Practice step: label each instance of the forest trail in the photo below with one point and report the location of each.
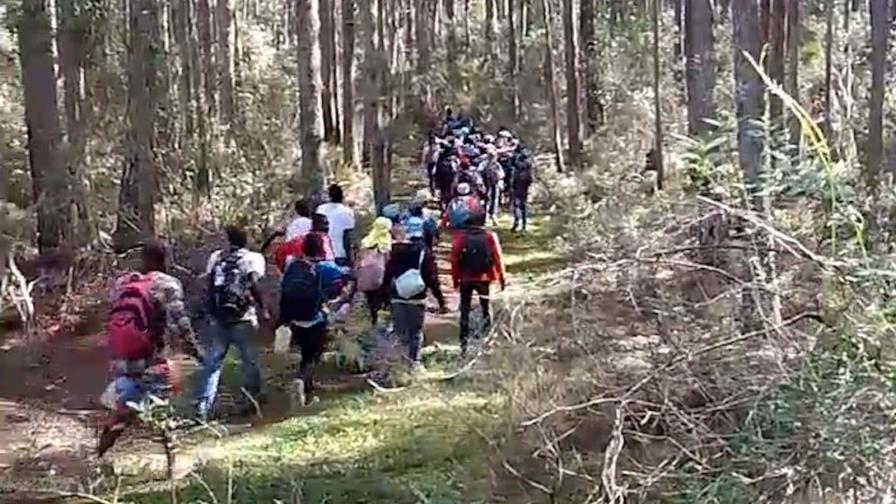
(49, 415)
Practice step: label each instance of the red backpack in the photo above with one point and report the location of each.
(128, 328)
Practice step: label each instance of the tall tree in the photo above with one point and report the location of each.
(136, 198)
(49, 178)
(793, 63)
(423, 37)
(701, 67)
(572, 83)
(204, 28)
(880, 32)
(828, 67)
(182, 28)
(749, 97)
(374, 141)
(776, 44)
(348, 82)
(312, 179)
(327, 61)
(513, 59)
(589, 48)
(490, 30)
(551, 85)
(657, 102)
(224, 58)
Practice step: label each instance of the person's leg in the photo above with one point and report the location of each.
(210, 372)
(524, 211)
(243, 335)
(483, 289)
(416, 317)
(374, 302)
(312, 341)
(514, 203)
(466, 297)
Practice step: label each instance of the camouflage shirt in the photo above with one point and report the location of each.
(172, 319)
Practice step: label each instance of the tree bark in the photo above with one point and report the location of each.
(551, 85)
(776, 56)
(490, 30)
(182, 26)
(136, 199)
(592, 84)
(204, 27)
(828, 68)
(793, 64)
(224, 58)
(572, 84)
(701, 74)
(348, 82)
(421, 26)
(513, 60)
(311, 181)
(880, 32)
(749, 97)
(373, 62)
(327, 60)
(657, 102)
(49, 178)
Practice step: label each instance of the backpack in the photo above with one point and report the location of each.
(301, 295)
(370, 270)
(129, 326)
(460, 209)
(522, 171)
(444, 174)
(231, 296)
(475, 257)
(411, 283)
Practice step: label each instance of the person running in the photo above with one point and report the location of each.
(235, 305)
(307, 286)
(521, 180)
(148, 315)
(476, 263)
(371, 266)
(410, 273)
(301, 224)
(341, 221)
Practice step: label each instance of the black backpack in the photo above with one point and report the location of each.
(301, 296)
(475, 256)
(231, 288)
(522, 167)
(444, 174)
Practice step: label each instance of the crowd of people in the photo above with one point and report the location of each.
(322, 270)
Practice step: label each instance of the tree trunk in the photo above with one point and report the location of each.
(373, 62)
(776, 57)
(136, 199)
(312, 179)
(793, 64)
(421, 25)
(572, 84)
(749, 97)
(880, 32)
(224, 59)
(490, 30)
(657, 108)
(451, 40)
(551, 85)
(181, 14)
(204, 27)
(765, 19)
(828, 68)
(348, 82)
(513, 60)
(592, 85)
(701, 66)
(49, 178)
(327, 60)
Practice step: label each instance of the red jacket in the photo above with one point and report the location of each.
(495, 274)
(295, 248)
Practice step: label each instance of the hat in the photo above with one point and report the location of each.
(421, 197)
(505, 134)
(463, 189)
(413, 227)
(392, 211)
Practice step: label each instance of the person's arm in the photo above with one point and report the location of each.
(267, 243)
(388, 277)
(454, 257)
(178, 331)
(257, 272)
(498, 260)
(347, 235)
(431, 276)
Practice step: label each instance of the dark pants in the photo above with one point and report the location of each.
(431, 175)
(466, 300)
(408, 323)
(311, 341)
(520, 212)
(493, 202)
(375, 303)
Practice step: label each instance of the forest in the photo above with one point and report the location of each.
(698, 312)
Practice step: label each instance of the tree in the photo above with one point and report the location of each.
(657, 108)
(572, 83)
(551, 86)
(311, 182)
(589, 48)
(348, 82)
(793, 63)
(490, 31)
(328, 59)
(374, 141)
(513, 59)
(136, 198)
(421, 24)
(828, 67)
(749, 96)
(776, 43)
(880, 31)
(700, 56)
(49, 178)
(224, 58)
(204, 27)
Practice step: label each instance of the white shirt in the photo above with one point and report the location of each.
(300, 226)
(250, 263)
(342, 219)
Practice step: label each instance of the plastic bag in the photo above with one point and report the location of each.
(282, 339)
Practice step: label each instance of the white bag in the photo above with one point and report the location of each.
(410, 283)
(282, 339)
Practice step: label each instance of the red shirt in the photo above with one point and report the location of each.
(295, 248)
(495, 274)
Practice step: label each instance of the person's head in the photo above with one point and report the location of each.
(476, 219)
(313, 247)
(416, 210)
(449, 113)
(463, 189)
(381, 225)
(152, 256)
(320, 222)
(398, 233)
(236, 236)
(302, 208)
(335, 192)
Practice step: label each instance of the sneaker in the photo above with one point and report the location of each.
(297, 394)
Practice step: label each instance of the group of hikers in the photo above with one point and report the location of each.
(496, 170)
(322, 269)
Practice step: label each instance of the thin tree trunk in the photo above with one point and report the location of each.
(136, 199)
(513, 60)
(49, 178)
(423, 37)
(793, 64)
(551, 85)
(572, 84)
(680, 25)
(591, 65)
(334, 71)
(657, 102)
(326, 35)
(701, 74)
(348, 82)
(224, 59)
(181, 12)
(312, 179)
(373, 61)
(451, 40)
(204, 27)
(880, 32)
(828, 68)
(490, 30)
(776, 56)
(749, 97)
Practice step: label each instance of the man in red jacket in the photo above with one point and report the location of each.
(476, 262)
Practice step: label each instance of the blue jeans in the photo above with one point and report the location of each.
(222, 337)
(407, 319)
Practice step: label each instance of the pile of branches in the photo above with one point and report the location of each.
(711, 357)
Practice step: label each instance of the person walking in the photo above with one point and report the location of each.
(341, 222)
(371, 267)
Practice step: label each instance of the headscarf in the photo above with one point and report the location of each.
(380, 236)
(414, 227)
